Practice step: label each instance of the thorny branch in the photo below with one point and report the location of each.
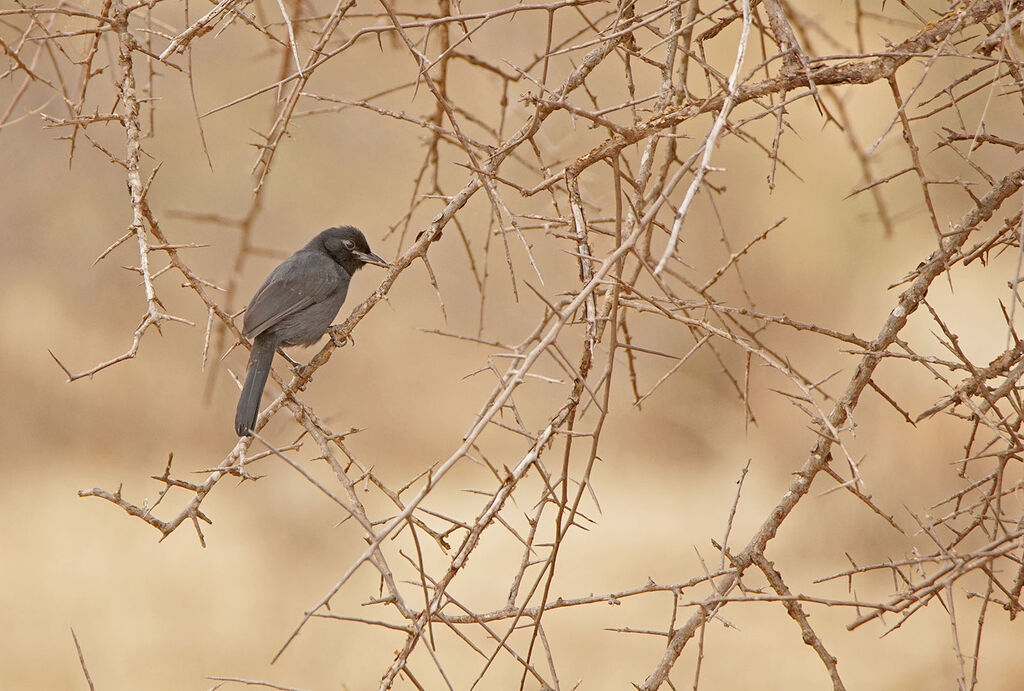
(606, 157)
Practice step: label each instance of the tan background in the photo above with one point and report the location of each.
(166, 615)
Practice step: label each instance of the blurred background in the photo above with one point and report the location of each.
(172, 614)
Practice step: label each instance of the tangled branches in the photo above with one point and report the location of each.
(585, 189)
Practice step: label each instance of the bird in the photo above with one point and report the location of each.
(295, 306)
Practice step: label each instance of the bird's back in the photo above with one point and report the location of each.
(299, 299)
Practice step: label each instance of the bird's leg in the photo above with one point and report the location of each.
(296, 366)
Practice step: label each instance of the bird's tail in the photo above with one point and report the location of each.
(260, 358)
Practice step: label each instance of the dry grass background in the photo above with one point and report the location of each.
(170, 614)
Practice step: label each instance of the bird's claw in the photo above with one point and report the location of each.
(342, 341)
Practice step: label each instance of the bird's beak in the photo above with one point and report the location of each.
(371, 258)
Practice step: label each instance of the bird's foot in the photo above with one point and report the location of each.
(342, 341)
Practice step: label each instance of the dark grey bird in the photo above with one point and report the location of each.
(296, 304)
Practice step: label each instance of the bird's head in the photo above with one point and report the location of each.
(347, 246)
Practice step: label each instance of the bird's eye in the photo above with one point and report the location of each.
(348, 244)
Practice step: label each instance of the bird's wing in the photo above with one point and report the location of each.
(294, 285)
